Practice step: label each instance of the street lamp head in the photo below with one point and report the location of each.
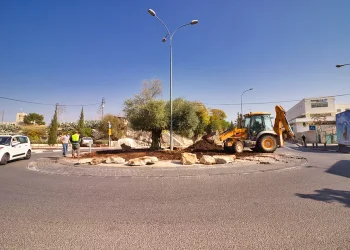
(193, 22)
(164, 40)
(339, 65)
(151, 12)
(251, 89)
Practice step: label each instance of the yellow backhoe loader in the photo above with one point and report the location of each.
(258, 133)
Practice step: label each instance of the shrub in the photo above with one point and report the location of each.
(36, 134)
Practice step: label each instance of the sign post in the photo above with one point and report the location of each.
(109, 133)
(90, 143)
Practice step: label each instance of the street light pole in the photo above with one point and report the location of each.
(341, 65)
(170, 35)
(242, 98)
(171, 93)
(242, 104)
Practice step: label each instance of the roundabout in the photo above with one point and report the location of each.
(168, 168)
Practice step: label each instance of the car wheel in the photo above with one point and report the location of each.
(28, 155)
(5, 158)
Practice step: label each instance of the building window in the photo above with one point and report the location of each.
(338, 110)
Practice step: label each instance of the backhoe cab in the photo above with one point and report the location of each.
(258, 133)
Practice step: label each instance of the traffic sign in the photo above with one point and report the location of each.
(312, 127)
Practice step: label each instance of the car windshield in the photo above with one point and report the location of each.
(87, 138)
(5, 140)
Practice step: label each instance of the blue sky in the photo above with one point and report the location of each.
(76, 52)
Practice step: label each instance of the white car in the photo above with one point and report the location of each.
(14, 147)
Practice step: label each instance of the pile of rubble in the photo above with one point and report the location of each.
(203, 145)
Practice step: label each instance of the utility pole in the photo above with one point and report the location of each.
(103, 106)
(60, 111)
(2, 116)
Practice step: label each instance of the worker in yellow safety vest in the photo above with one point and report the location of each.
(75, 139)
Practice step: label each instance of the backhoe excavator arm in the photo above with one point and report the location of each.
(280, 123)
(236, 132)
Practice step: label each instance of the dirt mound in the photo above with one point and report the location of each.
(135, 153)
(203, 145)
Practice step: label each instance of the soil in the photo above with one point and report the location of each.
(199, 148)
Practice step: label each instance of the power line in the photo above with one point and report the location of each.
(224, 104)
(251, 103)
(47, 104)
(259, 103)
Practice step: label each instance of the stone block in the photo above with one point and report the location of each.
(223, 159)
(96, 161)
(188, 158)
(207, 160)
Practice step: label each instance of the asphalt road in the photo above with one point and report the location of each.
(304, 208)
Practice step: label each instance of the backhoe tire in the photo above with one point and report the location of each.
(267, 144)
(256, 149)
(227, 149)
(238, 147)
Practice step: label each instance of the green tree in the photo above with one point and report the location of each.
(93, 124)
(185, 119)
(146, 113)
(217, 121)
(239, 123)
(203, 119)
(68, 127)
(34, 118)
(81, 121)
(118, 126)
(35, 133)
(9, 128)
(232, 125)
(150, 116)
(52, 140)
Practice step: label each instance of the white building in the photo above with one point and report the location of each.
(20, 117)
(304, 113)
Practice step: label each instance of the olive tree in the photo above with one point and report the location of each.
(145, 112)
(185, 119)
